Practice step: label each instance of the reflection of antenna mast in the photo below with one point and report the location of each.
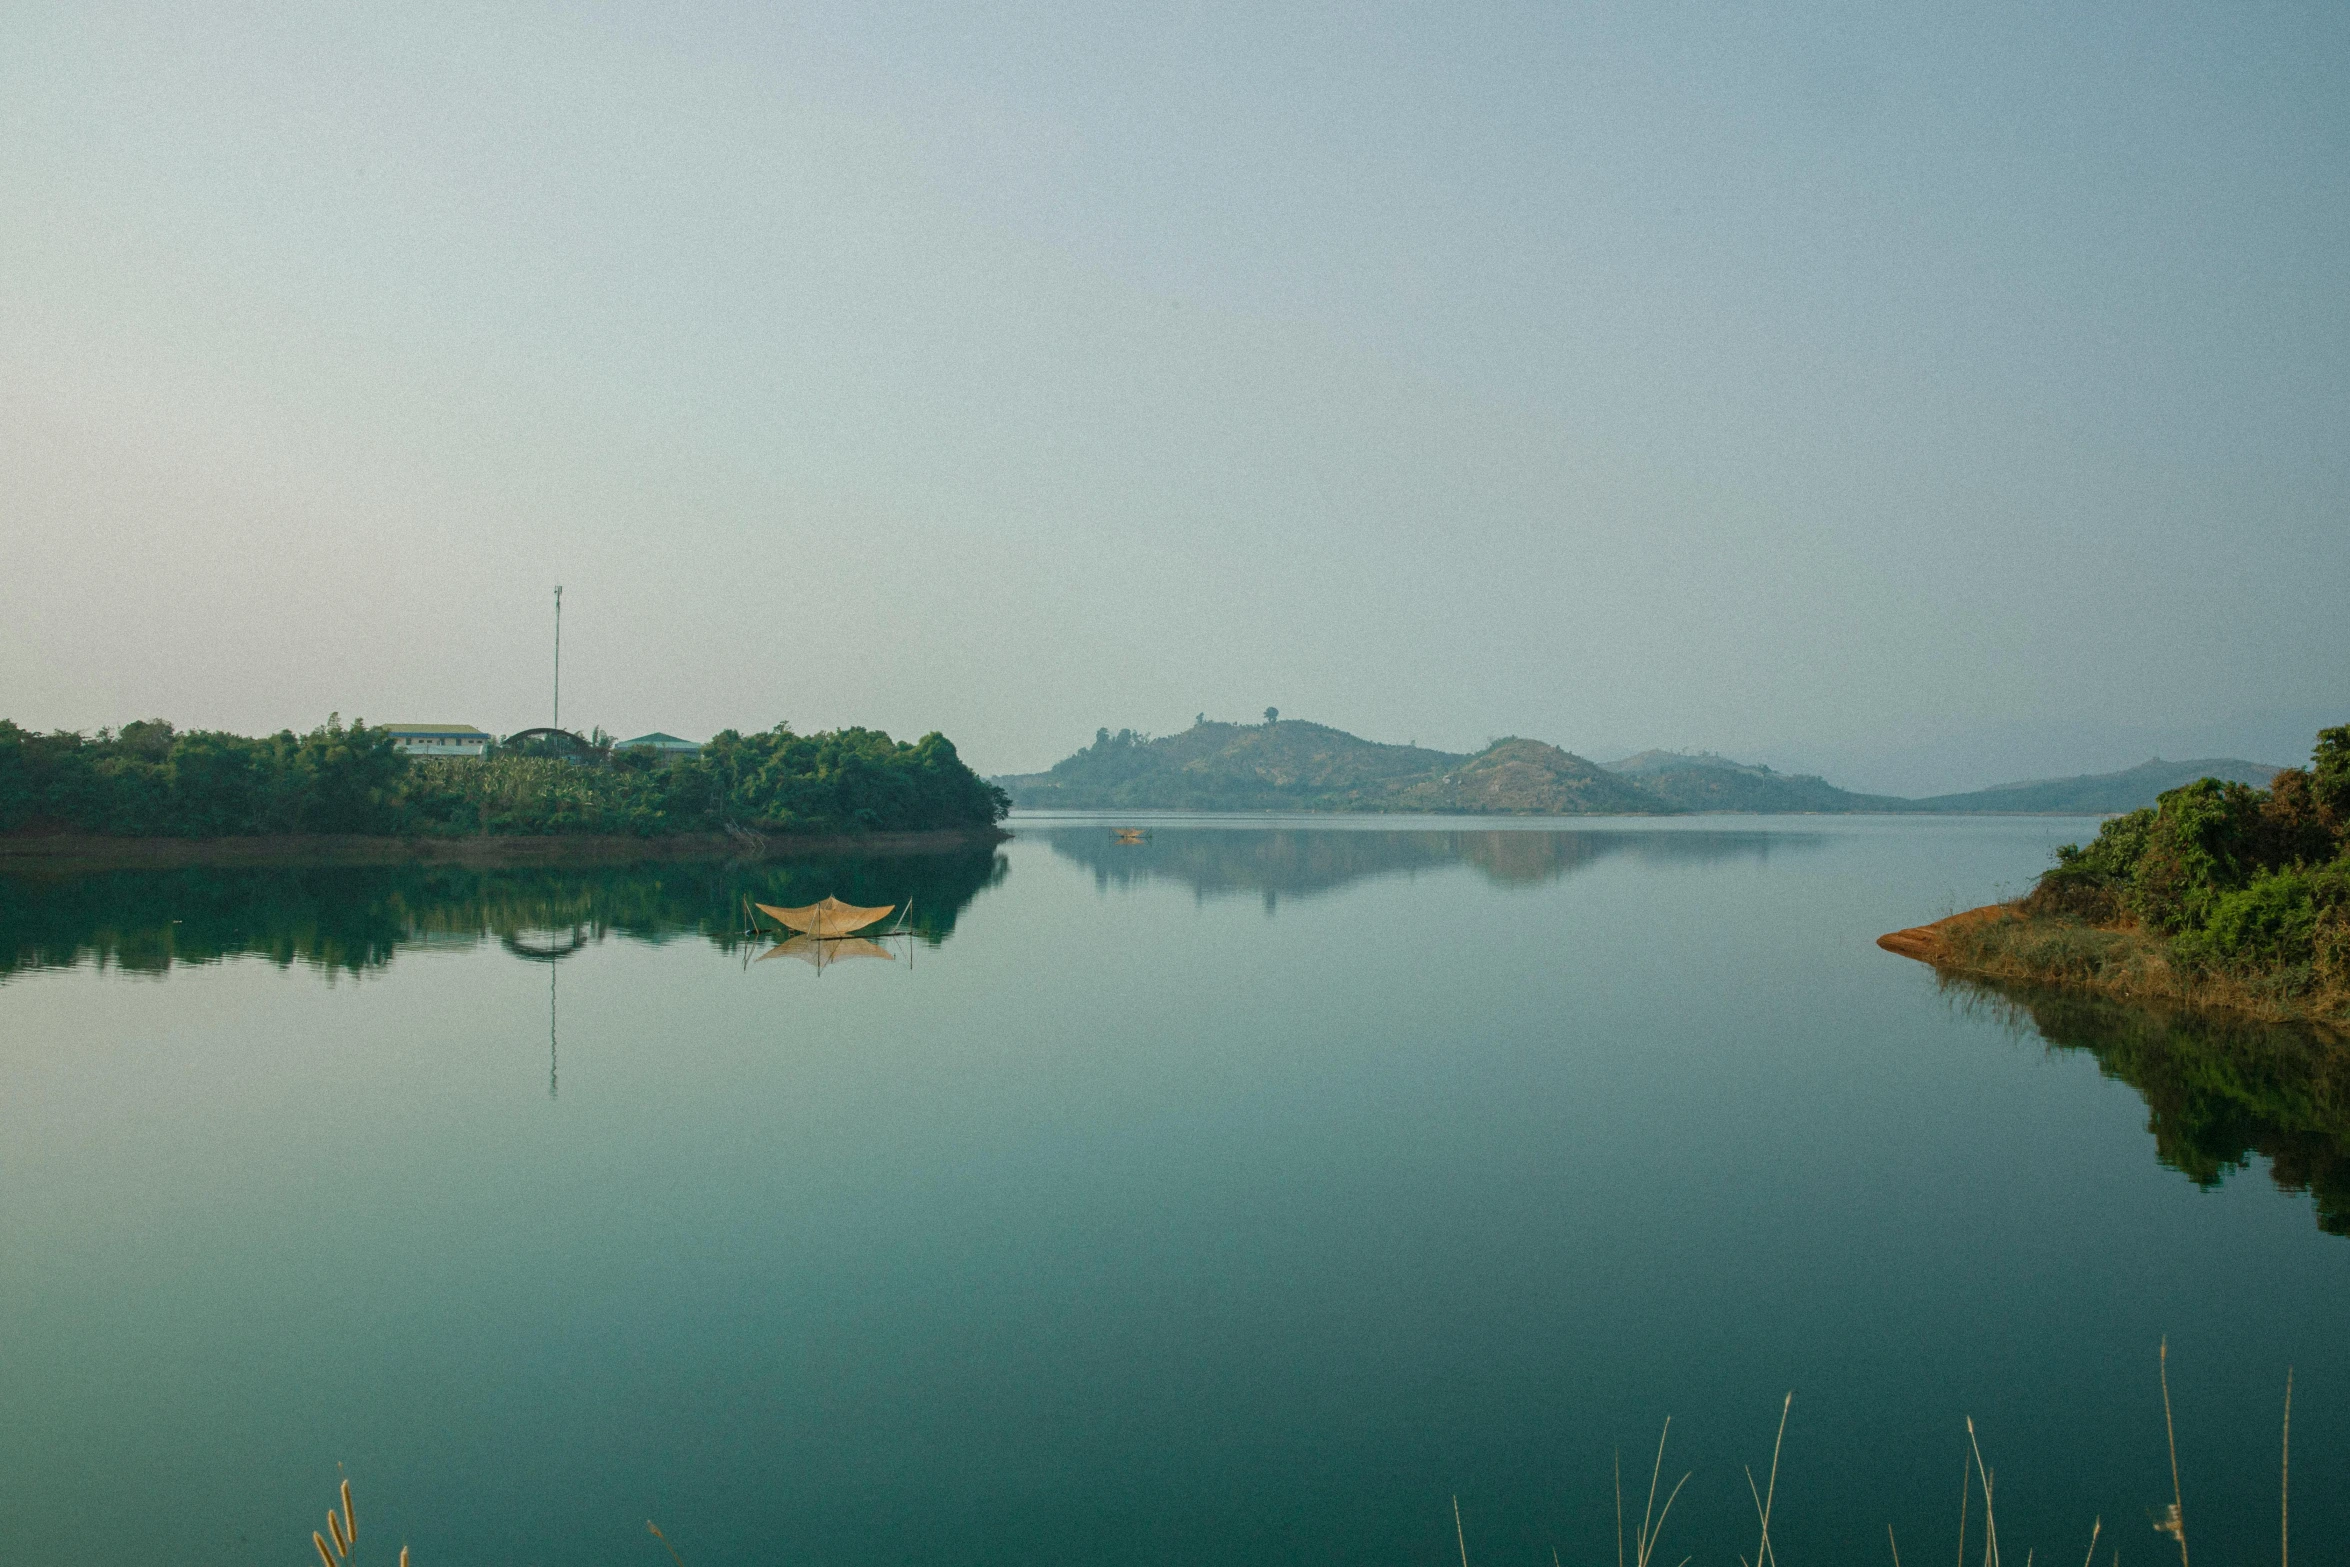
(552, 972)
(558, 722)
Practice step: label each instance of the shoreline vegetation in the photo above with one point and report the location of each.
(2219, 897)
(152, 794)
(71, 851)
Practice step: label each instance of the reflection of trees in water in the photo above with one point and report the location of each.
(351, 919)
(2217, 1091)
(1301, 861)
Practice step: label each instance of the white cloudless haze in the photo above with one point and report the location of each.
(1934, 394)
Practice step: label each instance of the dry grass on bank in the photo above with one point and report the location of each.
(1978, 1481)
(2009, 941)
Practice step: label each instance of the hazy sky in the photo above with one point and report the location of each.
(1928, 395)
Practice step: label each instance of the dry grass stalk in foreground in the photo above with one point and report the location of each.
(1974, 1474)
(2285, 1482)
(1644, 1543)
(342, 1531)
(1764, 1556)
(2175, 1524)
(342, 1525)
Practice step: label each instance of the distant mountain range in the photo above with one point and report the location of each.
(2098, 793)
(1705, 782)
(1291, 765)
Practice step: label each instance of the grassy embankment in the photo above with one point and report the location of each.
(2220, 897)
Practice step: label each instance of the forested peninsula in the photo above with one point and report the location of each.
(2218, 896)
(150, 781)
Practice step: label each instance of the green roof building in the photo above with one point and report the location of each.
(667, 745)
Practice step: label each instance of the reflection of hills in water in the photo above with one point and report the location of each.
(350, 919)
(1277, 862)
(2217, 1091)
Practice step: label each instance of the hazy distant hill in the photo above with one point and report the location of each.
(1294, 766)
(1528, 778)
(1286, 766)
(1702, 781)
(2094, 794)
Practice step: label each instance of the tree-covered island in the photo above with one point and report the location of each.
(150, 780)
(2219, 895)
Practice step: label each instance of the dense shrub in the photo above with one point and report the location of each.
(2329, 777)
(2204, 841)
(2271, 923)
(153, 781)
(2254, 883)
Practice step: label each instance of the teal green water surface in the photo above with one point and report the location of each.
(1244, 1195)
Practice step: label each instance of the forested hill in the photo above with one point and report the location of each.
(1288, 765)
(1294, 766)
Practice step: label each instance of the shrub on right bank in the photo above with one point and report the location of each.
(2251, 883)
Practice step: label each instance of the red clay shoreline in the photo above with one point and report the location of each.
(1931, 943)
(2131, 969)
(77, 851)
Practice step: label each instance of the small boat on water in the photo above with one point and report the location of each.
(827, 919)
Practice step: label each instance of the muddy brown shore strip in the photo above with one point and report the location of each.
(77, 851)
(1932, 943)
(2001, 944)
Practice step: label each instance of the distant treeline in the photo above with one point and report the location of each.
(2219, 893)
(151, 780)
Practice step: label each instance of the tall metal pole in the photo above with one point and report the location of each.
(558, 656)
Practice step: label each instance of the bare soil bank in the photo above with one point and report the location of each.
(1932, 943)
(2000, 941)
(73, 851)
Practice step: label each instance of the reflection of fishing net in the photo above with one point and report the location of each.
(823, 951)
(829, 918)
(544, 946)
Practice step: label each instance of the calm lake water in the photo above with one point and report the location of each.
(1242, 1196)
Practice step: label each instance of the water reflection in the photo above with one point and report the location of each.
(1282, 862)
(821, 952)
(2217, 1091)
(349, 920)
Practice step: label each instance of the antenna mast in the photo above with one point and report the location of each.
(558, 656)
